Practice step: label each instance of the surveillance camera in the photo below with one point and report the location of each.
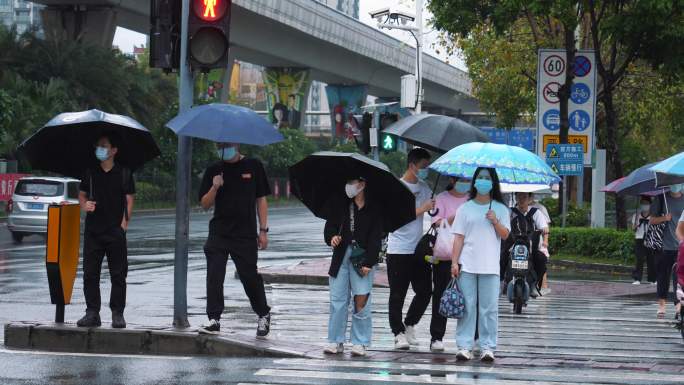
(403, 16)
(380, 13)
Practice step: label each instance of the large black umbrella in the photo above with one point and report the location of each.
(318, 181)
(65, 145)
(438, 133)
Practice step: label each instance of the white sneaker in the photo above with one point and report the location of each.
(411, 336)
(334, 349)
(358, 351)
(545, 291)
(636, 283)
(487, 356)
(464, 355)
(437, 346)
(400, 342)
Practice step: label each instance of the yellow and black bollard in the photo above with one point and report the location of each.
(62, 252)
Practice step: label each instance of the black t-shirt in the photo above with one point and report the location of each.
(109, 193)
(235, 206)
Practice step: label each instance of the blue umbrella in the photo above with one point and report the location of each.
(638, 182)
(670, 171)
(225, 123)
(513, 164)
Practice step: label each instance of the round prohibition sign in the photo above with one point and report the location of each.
(554, 65)
(550, 92)
(581, 66)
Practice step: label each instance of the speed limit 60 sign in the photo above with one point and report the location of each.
(582, 103)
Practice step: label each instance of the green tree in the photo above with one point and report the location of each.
(621, 32)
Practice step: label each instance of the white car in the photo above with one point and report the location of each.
(29, 204)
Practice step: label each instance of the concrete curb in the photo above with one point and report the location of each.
(66, 338)
(592, 267)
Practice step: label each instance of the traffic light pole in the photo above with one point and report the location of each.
(419, 55)
(183, 162)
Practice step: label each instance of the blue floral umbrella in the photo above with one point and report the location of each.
(514, 165)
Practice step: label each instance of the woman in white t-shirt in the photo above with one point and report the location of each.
(639, 225)
(479, 227)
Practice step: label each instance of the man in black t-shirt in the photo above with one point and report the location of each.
(237, 188)
(107, 197)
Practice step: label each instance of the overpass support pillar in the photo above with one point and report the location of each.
(87, 24)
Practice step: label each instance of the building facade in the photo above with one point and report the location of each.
(23, 14)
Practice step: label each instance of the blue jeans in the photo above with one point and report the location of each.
(342, 288)
(486, 288)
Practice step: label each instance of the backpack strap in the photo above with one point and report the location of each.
(530, 216)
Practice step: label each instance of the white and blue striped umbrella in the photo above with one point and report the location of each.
(514, 165)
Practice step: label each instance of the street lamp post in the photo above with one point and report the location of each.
(416, 31)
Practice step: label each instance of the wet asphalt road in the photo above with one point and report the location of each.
(557, 340)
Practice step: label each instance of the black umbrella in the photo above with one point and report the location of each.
(318, 181)
(438, 133)
(65, 145)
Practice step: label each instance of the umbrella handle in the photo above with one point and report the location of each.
(435, 211)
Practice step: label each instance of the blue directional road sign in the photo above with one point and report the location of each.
(565, 159)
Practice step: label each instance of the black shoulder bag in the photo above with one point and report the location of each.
(358, 254)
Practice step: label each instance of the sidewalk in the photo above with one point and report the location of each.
(315, 272)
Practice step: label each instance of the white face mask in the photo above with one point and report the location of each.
(352, 189)
(645, 208)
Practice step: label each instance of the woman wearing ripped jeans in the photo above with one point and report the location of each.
(359, 226)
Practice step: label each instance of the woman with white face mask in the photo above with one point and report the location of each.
(667, 209)
(355, 238)
(479, 226)
(639, 225)
(447, 204)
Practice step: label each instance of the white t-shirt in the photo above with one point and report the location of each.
(681, 218)
(406, 238)
(482, 245)
(540, 223)
(640, 227)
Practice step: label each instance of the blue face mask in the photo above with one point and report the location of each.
(677, 188)
(227, 153)
(422, 173)
(101, 153)
(462, 187)
(483, 186)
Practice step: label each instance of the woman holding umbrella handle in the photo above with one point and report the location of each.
(480, 225)
(356, 239)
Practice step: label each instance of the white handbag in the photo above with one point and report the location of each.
(444, 244)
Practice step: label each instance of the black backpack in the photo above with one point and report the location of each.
(522, 226)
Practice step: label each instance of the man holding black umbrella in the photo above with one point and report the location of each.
(107, 197)
(237, 187)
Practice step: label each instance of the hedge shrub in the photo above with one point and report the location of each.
(592, 242)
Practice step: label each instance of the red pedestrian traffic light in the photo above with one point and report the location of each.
(209, 34)
(210, 10)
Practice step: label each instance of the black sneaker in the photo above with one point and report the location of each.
(118, 321)
(264, 326)
(89, 320)
(213, 327)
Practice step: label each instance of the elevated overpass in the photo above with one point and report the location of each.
(305, 33)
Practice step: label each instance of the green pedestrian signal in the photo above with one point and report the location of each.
(388, 143)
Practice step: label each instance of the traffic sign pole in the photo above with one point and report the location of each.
(180, 263)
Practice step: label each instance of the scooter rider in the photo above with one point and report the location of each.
(527, 221)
